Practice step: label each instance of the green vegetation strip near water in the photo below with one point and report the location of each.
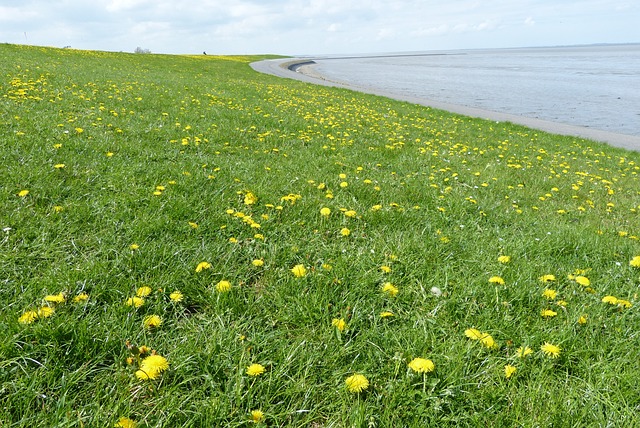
(186, 242)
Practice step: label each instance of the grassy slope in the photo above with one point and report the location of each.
(454, 194)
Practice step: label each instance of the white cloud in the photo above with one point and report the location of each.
(331, 26)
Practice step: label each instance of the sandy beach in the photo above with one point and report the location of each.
(302, 69)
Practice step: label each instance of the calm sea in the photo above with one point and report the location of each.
(592, 86)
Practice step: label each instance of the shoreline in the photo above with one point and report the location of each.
(302, 69)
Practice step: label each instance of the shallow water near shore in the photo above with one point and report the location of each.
(590, 86)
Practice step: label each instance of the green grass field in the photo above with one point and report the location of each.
(187, 243)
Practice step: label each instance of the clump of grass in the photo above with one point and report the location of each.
(270, 244)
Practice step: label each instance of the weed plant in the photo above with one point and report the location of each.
(187, 243)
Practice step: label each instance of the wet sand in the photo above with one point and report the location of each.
(303, 70)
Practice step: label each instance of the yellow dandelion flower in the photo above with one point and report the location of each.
(223, 286)
(473, 334)
(386, 314)
(299, 271)
(255, 370)
(151, 367)
(82, 297)
(504, 259)
(488, 342)
(152, 321)
(549, 294)
(125, 423)
(135, 302)
(390, 289)
(55, 298)
(582, 319)
(143, 291)
(635, 262)
(23, 193)
(421, 365)
(356, 383)
(345, 232)
(509, 371)
(258, 263)
(257, 416)
(339, 323)
(59, 166)
(176, 296)
(385, 269)
(548, 313)
(624, 303)
(496, 280)
(547, 278)
(610, 299)
(45, 312)
(582, 280)
(343, 184)
(250, 198)
(325, 212)
(550, 350)
(523, 351)
(193, 224)
(202, 266)
(350, 213)
(134, 247)
(28, 317)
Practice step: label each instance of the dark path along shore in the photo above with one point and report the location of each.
(302, 69)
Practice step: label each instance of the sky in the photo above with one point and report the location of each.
(315, 27)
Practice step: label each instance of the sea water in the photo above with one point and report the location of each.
(596, 86)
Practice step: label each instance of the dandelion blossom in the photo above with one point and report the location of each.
(28, 317)
(45, 312)
(299, 271)
(152, 321)
(135, 302)
(547, 278)
(345, 232)
(496, 280)
(385, 269)
(255, 370)
(151, 367)
(257, 416)
(176, 296)
(134, 247)
(23, 193)
(82, 297)
(143, 291)
(125, 423)
(550, 350)
(258, 263)
(523, 351)
(55, 298)
(339, 323)
(635, 262)
(473, 334)
(357, 383)
(582, 320)
(223, 286)
(504, 259)
(59, 166)
(386, 314)
(610, 299)
(390, 289)
(202, 266)
(582, 280)
(325, 212)
(250, 198)
(488, 342)
(548, 313)
(421, 365)
(350, 213)
(549, 294)
(509, 370)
